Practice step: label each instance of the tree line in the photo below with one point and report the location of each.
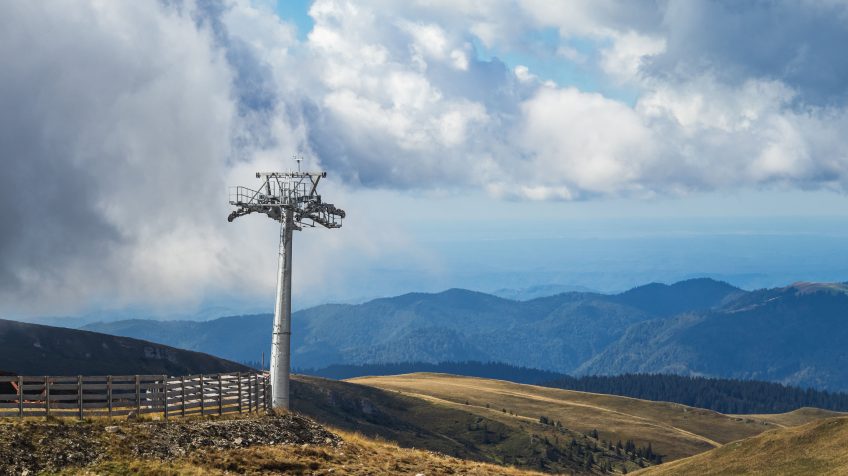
(721, 395)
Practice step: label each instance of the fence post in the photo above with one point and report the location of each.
(202, 398)
(182, 386)
(79, 394)
(254, 401)
(165, 395)
(239, 391)
(265, 394)
(249, 394)
(137, 396)
(20, 396)
(220, 396)
(109, 395)
(47, 395)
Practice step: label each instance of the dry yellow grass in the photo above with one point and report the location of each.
(674, 430)
(798, 417)
(357, 456)
(459, 430)
(820, 447)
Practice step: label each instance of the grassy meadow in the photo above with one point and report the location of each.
(675, 431)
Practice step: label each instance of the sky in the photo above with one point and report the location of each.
(484, 145)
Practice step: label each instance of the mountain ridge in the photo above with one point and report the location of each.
(648, 329)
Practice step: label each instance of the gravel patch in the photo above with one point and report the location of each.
(31, 447)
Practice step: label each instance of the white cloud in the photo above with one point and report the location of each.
(628, 53)
(136, 116)
(588, 143)
(524, 75)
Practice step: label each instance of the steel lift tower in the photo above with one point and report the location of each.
(292, 199)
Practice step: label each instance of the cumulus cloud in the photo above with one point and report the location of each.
(713, 107)
(124, 121)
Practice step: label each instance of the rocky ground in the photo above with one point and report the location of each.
(33, 447)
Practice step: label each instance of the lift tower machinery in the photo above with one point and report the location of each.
(292, 199)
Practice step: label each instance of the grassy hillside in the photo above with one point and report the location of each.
(812, 449)
(32, 349)
(722, 395)
(464, 431)
(798, 417)
(673, 430)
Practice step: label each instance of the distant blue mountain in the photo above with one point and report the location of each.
(793, 335)
(557, 333)
(690, 295)
(538, 291)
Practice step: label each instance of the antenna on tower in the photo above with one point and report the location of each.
(299, 159)
(292, 199)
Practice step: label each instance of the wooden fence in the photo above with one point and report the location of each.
(118, 395)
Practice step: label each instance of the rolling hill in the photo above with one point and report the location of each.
(34, 349)
(501, 422)
(722, 395)
(673, 430)
(817, 447)
(461, 431)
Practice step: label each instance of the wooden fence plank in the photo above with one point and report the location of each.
(14, 405)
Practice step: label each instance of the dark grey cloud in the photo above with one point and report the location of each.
(49, 196)
(111, 115)
(800, 43)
